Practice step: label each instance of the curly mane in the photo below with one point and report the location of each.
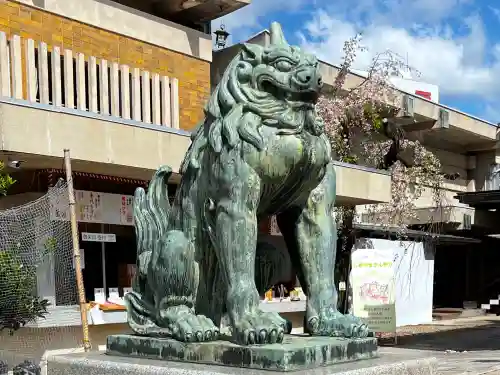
(239, 106)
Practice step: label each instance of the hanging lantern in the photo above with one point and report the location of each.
(221, 36)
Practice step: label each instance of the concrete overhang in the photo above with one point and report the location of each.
(456, 216)
(455, 127)
(357, 185)
(38, 134)
(460, 217)
(196, 11)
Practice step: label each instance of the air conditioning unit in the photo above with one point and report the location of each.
(444, 118)
(408, 106)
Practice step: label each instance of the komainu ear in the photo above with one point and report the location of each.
(277, 36)
(252, 53)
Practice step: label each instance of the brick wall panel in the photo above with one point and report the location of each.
(193, 74)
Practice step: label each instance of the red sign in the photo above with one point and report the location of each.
(427, 95)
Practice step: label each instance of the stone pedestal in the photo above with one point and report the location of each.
(102, 364)
(297, 352)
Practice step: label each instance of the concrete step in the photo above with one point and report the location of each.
(471, 313)
(455, 313)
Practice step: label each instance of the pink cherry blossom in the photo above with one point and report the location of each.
(353, 122)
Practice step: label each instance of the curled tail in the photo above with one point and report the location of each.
(151, 211)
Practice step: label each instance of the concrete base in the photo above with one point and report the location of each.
(102, 364)
(297, 352)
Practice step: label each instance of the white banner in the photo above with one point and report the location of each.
(373, 292)
(414, 279)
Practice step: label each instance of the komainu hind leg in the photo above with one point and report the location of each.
(161, 303)
(173, 275)
(311, 237)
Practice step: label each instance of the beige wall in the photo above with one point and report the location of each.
(189, 76)
(111, 16)
(357, 186)
(29, 130)
(484, 160)
(473, 170)
(451, 163)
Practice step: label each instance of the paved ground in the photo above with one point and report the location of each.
(463, 346)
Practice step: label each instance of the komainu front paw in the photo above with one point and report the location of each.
(330, 322)
(184, 325)
(194, 328)
(259, 328)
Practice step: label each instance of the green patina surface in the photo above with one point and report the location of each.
(295, 353)
(260, 151)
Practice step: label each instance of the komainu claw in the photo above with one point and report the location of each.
(330, 322)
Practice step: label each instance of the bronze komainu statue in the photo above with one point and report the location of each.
(260, 151)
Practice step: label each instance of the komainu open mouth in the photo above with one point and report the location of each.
(305, 96)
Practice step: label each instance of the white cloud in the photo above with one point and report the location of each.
(454, 62)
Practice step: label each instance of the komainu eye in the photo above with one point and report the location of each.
(283, 65)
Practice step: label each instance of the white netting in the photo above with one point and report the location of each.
(36, 268)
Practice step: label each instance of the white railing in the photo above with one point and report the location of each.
(73, 80)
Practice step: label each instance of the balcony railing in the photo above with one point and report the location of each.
(73, 80)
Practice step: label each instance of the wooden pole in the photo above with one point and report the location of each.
(76, 252)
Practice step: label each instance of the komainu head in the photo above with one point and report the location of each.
(276, 86)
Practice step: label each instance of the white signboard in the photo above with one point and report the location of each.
(95, 207)
(126, 210)
(88, 206)
(98, 237)
(373, 291)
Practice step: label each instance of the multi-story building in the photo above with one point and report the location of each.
(467, 148)
(118, 83)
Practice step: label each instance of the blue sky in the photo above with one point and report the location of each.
(452, 43)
